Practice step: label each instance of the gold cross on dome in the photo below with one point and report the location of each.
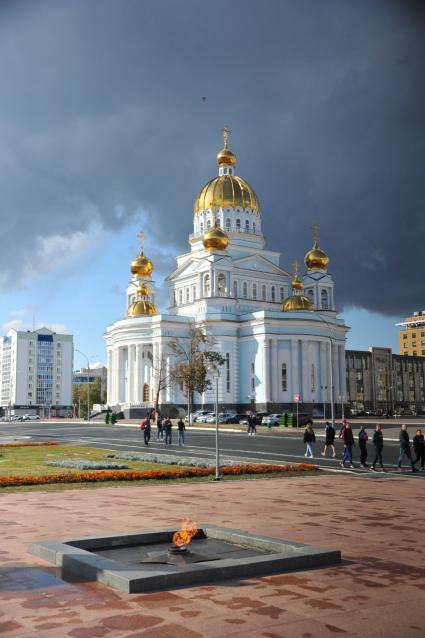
(296, 265)
(141, 237)
(226, 132)
(315, 229)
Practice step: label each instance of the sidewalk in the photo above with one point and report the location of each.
(378, 590)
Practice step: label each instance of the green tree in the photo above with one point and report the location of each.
(80, 396)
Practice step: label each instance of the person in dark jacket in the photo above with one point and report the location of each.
(251, 425)
(419, 447)
(329, 439)
(342, 428)
(405, 448)
(348, 439)
(378, 442)
(159, 429)
(309, 439)
(167, 429)
(146, 428)
(363, 439)
(181, 428)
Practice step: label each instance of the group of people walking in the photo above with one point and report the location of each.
(347, 436)
(164, 430)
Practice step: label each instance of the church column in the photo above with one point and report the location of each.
(306, 388)
(295, 381)
(137, 374)
(213, 283)
(266, 375)
(130, 374)
(110, 377)
(324, 373)
(274, 372)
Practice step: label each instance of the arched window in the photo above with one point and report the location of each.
(180, 297)
(253, 227)
(145, 392)
(310, 295)
(235, 289)
(282, 293)
(238, 224)
(227, 224)
(254, 291)
(193, 293)
(263, 293)
(325, 300)
(284, 378)
(207, 285)
(201, 227)
(245, 290)
(208, 224)
(273, 293)
(187, 295)
(221, 282)
(247, 225)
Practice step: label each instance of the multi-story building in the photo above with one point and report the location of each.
(36, 372)
(89, 375)
(381, 381)
(412, 335)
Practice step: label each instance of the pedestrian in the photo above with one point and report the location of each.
(309, 439)
(363, 439)
(405, 448)
(159, 429)
(329, 439)
(146, 428)
(348, 439)
(378, 442)
(419, 447)
(251, 425)
(181, 427)
(342, 428)
(167, 427)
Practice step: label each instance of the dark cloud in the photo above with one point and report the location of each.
(102, 115)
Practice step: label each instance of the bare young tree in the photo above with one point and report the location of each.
(162, 378)
(194, 357)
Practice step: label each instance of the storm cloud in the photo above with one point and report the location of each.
(102, 116)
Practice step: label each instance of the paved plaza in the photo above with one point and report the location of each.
(377, 591)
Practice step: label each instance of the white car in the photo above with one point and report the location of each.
(271, 419)
(204, 418)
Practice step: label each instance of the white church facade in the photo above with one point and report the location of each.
(279, 333)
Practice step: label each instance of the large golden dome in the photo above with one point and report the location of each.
(297, 302)
(142, 266)
(215, 239)
(226, 190)
(316, 258)
(142, 308)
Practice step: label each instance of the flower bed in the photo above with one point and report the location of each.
(157, 475)
(35, 444)
(83, 464)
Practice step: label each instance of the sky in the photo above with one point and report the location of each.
(110, 120)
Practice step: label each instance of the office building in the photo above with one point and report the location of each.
(412, 335)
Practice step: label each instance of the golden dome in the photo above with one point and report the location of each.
(316, 258)
(225, 156)
(296, 283)
(226, 190)
(142, 290)
(297, 302)
(215, 239)
(141, 266)
(142, 308)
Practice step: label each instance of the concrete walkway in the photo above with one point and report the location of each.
(378, 590)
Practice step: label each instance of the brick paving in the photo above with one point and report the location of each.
(378, 590)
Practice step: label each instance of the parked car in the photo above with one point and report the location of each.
(29, 417)
(203, 418)
(258, 418)
(271, 419)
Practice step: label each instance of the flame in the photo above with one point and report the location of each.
(185, 534)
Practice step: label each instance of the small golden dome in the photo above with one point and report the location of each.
(316, 258)
(225, 156)
(142, 308)
(141, 266)
(226, 190)
(296, 283)
(297, 302)
(215, 239)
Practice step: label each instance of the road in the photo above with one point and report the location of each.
(266, 446)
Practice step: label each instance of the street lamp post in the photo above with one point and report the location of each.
(217, 447)
(88, 382)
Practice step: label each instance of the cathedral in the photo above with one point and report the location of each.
(278, 332)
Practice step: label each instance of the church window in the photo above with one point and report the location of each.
(193, 293)
(252, 368)
(180, 297)
(253, 384)
(228, 372)
(187, 295)
(201, 227)
(263, 293)
(273, 293)
(227, 224)
(208, 224)
(146, 392)
(221, 284)
(254, 291)
(310, 295)
(325, 301)
(174, 298)
(235, 289)
(207, 285)
(253, 227)
(282, 293)
(238, 224)
(313, 378)
(247, 225)
(245, 290)
(284, 378)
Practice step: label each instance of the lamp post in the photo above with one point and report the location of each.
(217, 447)
(323, 388)
(88, 383)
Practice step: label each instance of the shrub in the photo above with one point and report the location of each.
(82, 464)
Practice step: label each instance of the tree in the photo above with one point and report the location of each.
(79, 396)
(162, 378)
(195, 359)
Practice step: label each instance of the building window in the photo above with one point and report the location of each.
(253, 384)
(145, 392)
(284, 378)
(405, 336)
(180, 297)
(207, 285)
(227, 224)
(313, 378)
(221, 282)
(282, 294)
(238, 224)
(325, 301)
(414, 353)
(201, 227)
(235, 289)
(310, 295)
(208, 224)
(187, 295)
(263, 293)
(273, 293)
(406, 345)
(252, 368)
(193, 293)
(254, 291)
(247, 225)
(228, 372)
(414, 344)
(245, 290)
(253, 227)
